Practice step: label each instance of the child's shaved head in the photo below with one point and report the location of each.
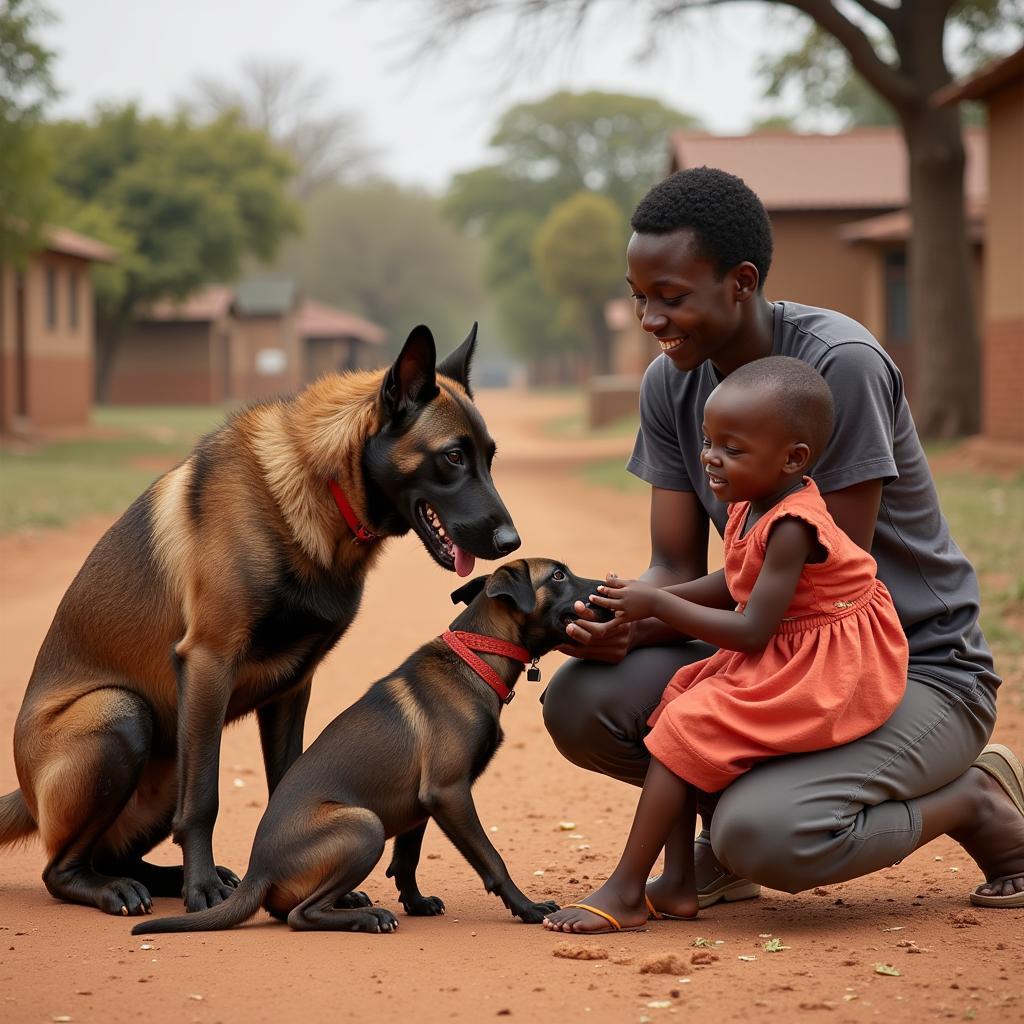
(802, 400)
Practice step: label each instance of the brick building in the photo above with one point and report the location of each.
(47, 336)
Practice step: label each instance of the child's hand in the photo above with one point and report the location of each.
(629, 599)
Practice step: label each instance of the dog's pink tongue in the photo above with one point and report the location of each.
(464, 561)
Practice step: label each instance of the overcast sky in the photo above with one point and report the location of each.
(425, 120)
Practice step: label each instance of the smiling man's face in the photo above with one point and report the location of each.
(680, 298)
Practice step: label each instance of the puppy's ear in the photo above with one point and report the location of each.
(456, 365)
(410, 379)
(469, 591)
(513, 583)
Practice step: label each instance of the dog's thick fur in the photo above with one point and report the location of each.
(217, 593)
(409, 750)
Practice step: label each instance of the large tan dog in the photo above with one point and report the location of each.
(217, 593)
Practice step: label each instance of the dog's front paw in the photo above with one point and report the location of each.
(534, 913)
(206, 892)
(424, 906)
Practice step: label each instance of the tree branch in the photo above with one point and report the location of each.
(888, 16)
(894, 86)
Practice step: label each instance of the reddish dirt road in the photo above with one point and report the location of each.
(67, 963)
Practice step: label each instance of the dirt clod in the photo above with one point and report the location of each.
(567, 951)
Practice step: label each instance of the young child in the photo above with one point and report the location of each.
(812, 654)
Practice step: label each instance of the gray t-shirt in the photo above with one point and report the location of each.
(932, 583)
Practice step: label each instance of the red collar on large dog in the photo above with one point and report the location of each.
(362, 534)
(464, 644)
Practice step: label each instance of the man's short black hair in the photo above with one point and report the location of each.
(730, 222)
(803, 400)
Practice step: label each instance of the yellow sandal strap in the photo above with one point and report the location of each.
(655, 913)
(600, 913)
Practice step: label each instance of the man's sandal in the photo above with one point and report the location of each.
(659, 915)
(615, 926)
(1004, 766)
(725, 887)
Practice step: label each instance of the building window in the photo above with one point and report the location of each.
(51, 297)
(73, 300)
(897, 309)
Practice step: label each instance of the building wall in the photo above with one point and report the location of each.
(160, 363)
(58, 344)
(1003, 344)
(266, 358)
(813, 265)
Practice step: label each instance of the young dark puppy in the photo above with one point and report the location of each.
(407, 751)
(218, 593)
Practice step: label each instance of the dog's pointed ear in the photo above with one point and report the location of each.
(456, 365)
(468, 591)
(410, 379)
(513, 582)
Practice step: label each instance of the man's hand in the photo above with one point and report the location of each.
(597, 641)
(630, 600)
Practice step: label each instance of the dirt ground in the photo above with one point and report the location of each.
(68, 963)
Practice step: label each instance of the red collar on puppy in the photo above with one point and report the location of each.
(362, 534)
(464, 644)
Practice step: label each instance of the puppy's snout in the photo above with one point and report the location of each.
(506, 540)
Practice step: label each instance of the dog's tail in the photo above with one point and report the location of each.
(238, 907)
(16, 821)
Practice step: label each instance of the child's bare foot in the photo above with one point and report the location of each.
(670, 898)
(609, 911)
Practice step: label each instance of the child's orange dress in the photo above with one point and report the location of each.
(834, 670)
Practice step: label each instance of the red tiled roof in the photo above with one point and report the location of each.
(71, 243)
(895, 226)
(209, 303)
(991, 78)
(317, 320)
(860, 169)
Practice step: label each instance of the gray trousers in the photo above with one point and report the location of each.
(793, 822)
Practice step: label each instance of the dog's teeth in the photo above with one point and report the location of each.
(440, 530)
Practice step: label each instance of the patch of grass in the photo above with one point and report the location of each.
(612, 473)
(574, 425)
(101, 472)
(986, 518)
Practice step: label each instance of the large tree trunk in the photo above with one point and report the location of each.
(947, 372)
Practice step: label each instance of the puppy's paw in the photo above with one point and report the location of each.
(228, 877)
(534, 913)
(206, 892)
(424, 906)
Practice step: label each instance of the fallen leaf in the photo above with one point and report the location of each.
(750, 957)
(700, 941)
(567, 826)
(659, 1004)
(887, 969)
(774, 946)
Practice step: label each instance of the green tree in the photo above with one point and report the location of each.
(905, 73)
(26, 85)
(388, 254)
(578, 255)
(548, 151)
(184, 203)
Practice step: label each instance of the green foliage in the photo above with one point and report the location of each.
(388, 254)
(818, 73)
(26, 85)
(578, 250)
(182, 203)
(607, 144)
